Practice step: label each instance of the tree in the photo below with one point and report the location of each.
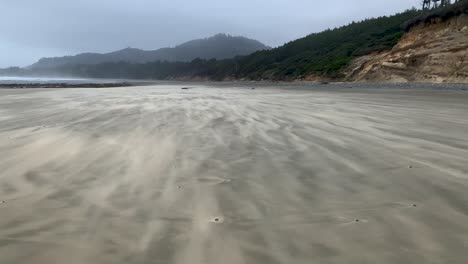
(432, 4)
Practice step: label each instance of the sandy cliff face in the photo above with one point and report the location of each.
(427, 53)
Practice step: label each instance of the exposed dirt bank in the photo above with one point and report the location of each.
(436, 52)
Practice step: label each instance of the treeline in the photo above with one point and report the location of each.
(327, 52)
(442, 14)
(158, 70)
(322, 54)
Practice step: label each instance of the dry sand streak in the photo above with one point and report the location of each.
(163, 175)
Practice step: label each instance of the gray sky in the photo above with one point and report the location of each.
(31, 29)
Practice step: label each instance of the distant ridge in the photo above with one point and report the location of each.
(220, 46)
(412, 46)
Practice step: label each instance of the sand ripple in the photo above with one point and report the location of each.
(206, 175)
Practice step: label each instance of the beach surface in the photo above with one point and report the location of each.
(234, 175)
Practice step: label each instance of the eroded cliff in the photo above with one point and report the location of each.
(434, 52)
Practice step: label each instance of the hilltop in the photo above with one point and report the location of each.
(220, 46)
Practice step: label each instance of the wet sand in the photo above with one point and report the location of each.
(205, 175)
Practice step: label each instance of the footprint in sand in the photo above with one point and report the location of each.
(217, 220)
(359, 220)
(213, 180)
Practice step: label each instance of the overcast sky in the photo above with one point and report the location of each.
(31, 29)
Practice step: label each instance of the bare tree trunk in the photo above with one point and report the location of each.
(432, 4)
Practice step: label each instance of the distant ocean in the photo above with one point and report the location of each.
(11, 80)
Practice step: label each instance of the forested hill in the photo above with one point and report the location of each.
(323, 54)
(220, 46)
(319, 53)
(326, 52)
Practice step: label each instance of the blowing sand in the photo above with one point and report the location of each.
(233, 175)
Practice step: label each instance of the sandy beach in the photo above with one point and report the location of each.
(232, 175)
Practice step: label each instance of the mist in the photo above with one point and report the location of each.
(34, 29)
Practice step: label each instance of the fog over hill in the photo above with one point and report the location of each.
(220, 46)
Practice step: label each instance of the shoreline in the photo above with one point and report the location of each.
(241, 83)
(63, 85)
